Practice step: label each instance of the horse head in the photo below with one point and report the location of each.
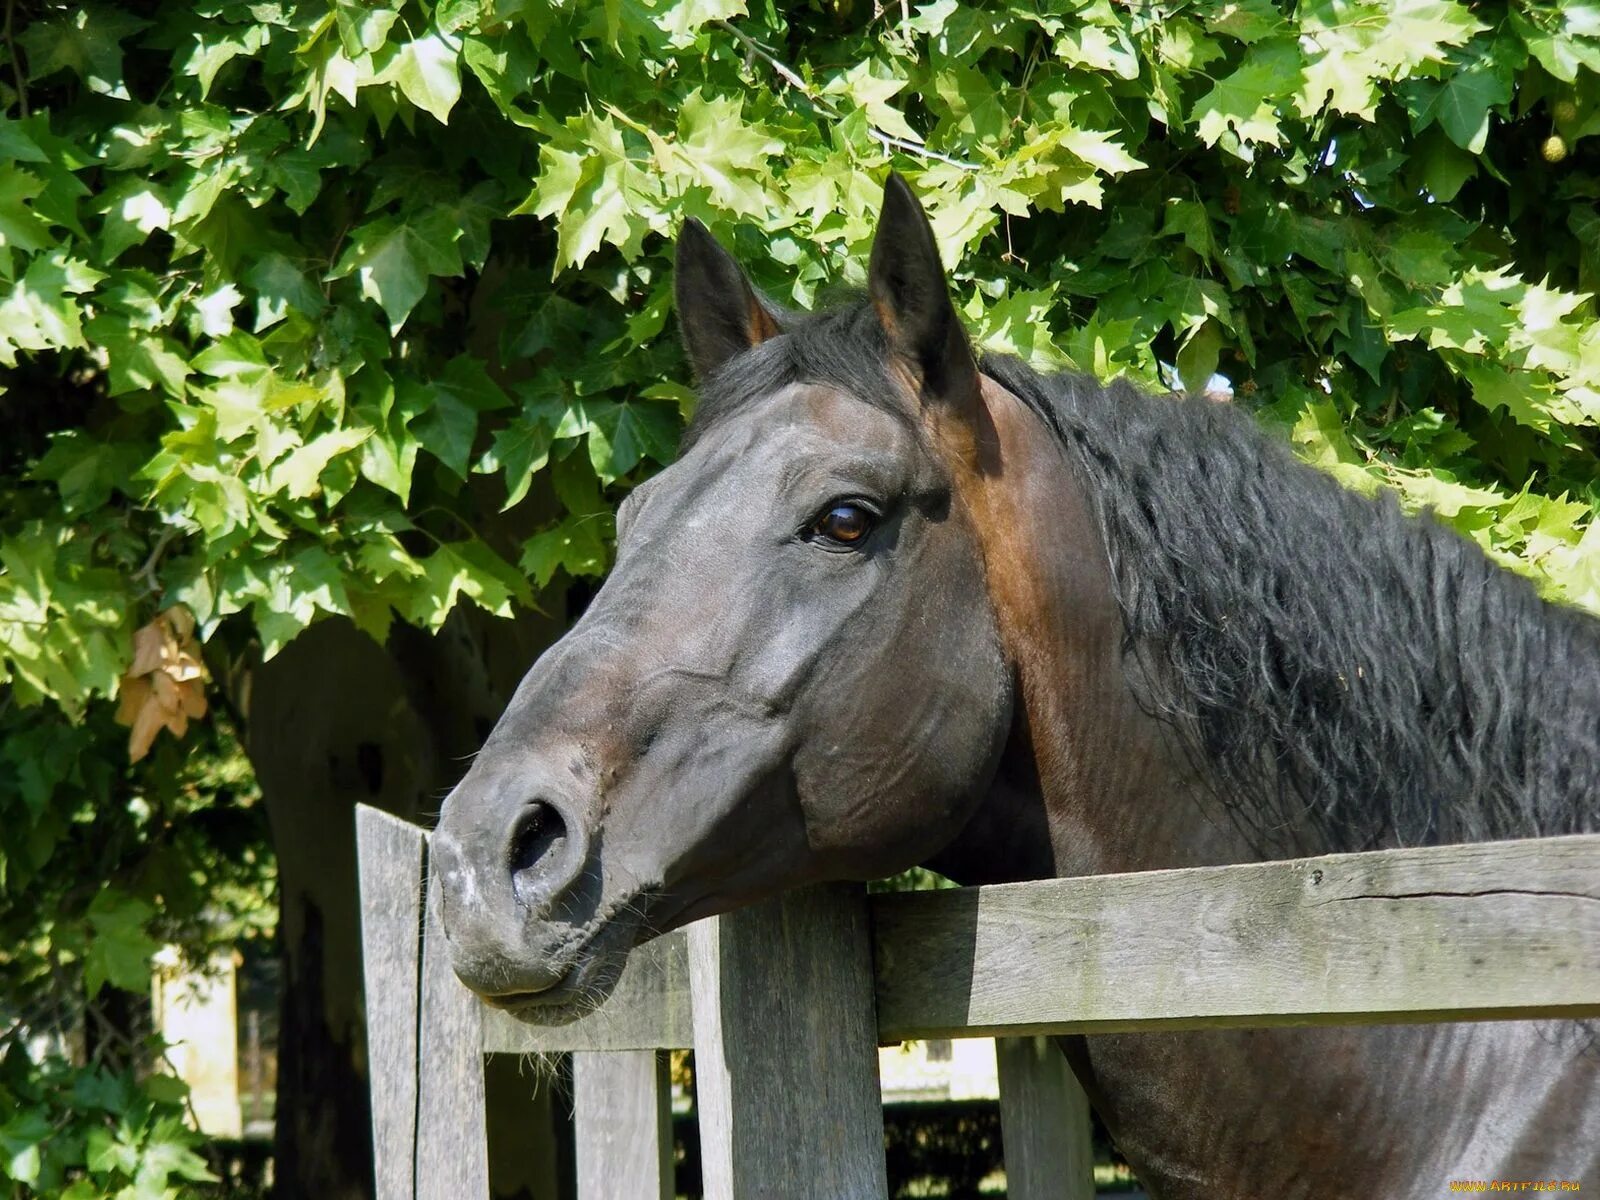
(792, 674)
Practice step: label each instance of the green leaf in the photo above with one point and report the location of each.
(449, 408)
(393, 257)
(577, 483)
(214, 48)
(40, 313)
(470, 569)
(1445, 168)
(720, 151)
(682, 20)
(363, 29)
(289, 593)
(138, 359)
(577, 545)
(1099, 47)
(119, 949)
(1246, 102)
(1364, 343)
(1246, 20)
(100, 1088)
(1190, 220)
(16, 145)
(509, 69)
(86, 41)
(1192, 300)
(625, 433)
(20, 1140)
(106, 1153)
(389, 457)
(86, 471)
(1527, 399)
(446, 429)
(1197, 360)
(280, 285)
(165, 1154)
(20, 227)
(300, 472)
(870, 85)
(428, 73)
(1018, 323)
(1461, 103)
(1566, 50)
(971, 104)
(299, 174)
(596, 192)
(521, 451)
(1419, 31)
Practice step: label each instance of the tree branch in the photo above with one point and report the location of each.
(754, 49)
(16, 65)
(148, 571)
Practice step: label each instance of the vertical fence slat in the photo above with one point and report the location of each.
(622, 1119)
(389, 852)
(452, 1146)
(786, 1050)
(1044, 1122)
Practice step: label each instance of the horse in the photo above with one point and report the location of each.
(895, 605)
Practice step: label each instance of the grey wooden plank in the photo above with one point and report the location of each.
(452, 1148)
(622, 1125)
(647, 1010)
(1044, 1121)
(389, 853)
(1495, 930)
(786, 1066)
(1262, 944)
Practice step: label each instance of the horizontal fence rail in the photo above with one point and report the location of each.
(1495, 930)
(783, 1002)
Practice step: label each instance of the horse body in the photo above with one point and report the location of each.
(1390, 1111)
(889, 608)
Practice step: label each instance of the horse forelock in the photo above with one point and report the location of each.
(843, 346)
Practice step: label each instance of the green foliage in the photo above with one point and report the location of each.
(318, 307)
(87, 1133)
(102, 863)
(335, 283)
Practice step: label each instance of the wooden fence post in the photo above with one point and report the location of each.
(390, 854)
(452, 1143)
(622, 1118)
(1044, 1123)
(786, 1050)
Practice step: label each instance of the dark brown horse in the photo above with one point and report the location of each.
(892, 606)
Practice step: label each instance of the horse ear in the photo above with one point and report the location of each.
(719, 312)
(907, 286)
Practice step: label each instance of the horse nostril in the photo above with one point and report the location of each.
(537, 841)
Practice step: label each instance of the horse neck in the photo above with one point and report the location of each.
(1087, 768)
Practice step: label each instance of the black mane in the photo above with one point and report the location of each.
(1340, 667)
(1345, 676)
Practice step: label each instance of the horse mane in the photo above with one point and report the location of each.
(1341, 675)
(1346, 676)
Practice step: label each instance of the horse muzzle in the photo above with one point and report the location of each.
(520, 894)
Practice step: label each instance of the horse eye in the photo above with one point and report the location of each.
(846, 524)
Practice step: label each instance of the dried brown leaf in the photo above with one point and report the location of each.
(164, 686)
(149, 648)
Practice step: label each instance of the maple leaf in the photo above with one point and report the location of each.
(164, 686)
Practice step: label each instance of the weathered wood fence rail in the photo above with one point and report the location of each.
(785, 1003)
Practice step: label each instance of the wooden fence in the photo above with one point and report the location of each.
(785, 1003)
